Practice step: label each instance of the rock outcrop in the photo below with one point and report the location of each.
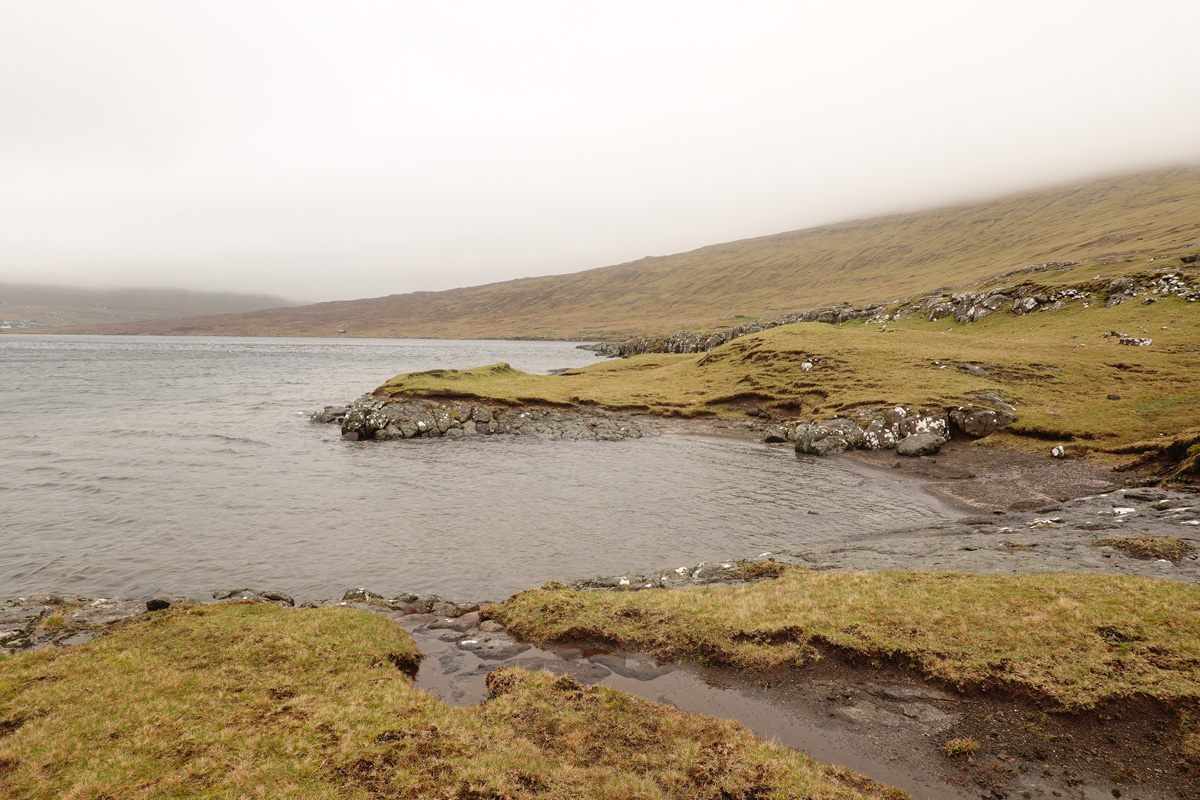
(908, 431)
(379, 418)
(965, 307)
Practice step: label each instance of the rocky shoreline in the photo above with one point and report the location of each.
(1091, 534)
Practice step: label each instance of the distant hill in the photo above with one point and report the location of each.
(25, 306)
(1100, 222)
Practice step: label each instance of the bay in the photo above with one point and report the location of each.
(135, 466)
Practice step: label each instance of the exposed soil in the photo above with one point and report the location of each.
(997, 479)
(1124, 750)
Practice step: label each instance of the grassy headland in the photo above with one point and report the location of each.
(250, 700)
(1058, 368)
(1107, 225)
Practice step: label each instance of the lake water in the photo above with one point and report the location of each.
(135, 466)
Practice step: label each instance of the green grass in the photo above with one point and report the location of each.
(255, 701)
(1111, 226)
(1036, 362)
(1078, 641)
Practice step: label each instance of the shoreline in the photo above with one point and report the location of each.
(881, 718)
(1019, 539)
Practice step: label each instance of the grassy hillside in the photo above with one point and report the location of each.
(31, 306)
(1100, 223)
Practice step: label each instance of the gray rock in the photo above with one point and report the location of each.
(269, 596)
(879, 436)
(105, 612)
(774, 435)
(493, 646)
(847, 429)
(815, 440)
(981, 422)
(1027, 305)
(330, 414)
(940, 311)
(973, 369)
(927, 421)
(1121, 286)
(362, 596)
(277, 597)
(22, 614)
(461, 624)
(638, 668)
(920, 444)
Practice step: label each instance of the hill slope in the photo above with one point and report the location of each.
(33, 306)
(1106, 221)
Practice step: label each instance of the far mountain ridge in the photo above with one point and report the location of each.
(36, 306)
(1106, 221)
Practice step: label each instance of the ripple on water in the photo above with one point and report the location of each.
(147, 488)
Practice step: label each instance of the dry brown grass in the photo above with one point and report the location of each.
(255, 701)
(1167, 547)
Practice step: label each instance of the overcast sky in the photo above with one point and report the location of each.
(354, 149)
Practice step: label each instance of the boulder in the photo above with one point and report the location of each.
(847, 429)
(1026, 305)
(775, 434)
(105, 612)
(362, 596)
(879, 435)
(994, 400)
(920, 444)
(940, 311)
(981, 422)
(269, 596)
(818, 441)
(1121, 286)
(927, 421)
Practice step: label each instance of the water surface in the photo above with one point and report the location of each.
(134, 466)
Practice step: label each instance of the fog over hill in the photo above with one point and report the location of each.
(33, 306)
(1124, 219)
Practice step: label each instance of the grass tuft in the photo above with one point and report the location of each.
(960, 747)
(1166, 547)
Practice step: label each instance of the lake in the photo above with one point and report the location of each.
(136, 466)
